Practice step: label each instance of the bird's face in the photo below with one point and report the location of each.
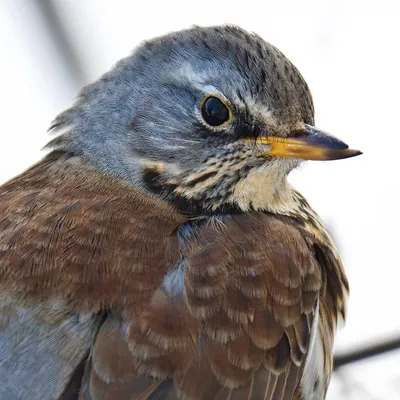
(209, 116)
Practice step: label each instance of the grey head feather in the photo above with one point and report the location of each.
(146, 108)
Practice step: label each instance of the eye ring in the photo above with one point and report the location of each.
(215, 112)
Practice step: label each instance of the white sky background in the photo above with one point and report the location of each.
(347, 50)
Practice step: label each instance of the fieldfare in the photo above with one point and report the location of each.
(158, 251)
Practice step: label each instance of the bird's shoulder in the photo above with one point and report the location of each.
(67, 228)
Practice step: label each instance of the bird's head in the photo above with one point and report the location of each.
(210, 117)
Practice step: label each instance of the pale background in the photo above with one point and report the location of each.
(347, 50)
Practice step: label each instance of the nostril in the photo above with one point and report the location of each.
(298, 134)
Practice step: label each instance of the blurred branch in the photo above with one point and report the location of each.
(57, 32)
(367, 352)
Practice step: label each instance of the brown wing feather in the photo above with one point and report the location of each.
(110, 372)
(260, 324)
(213, 332)
(239, 298)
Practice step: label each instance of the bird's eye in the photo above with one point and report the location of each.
(215, 112)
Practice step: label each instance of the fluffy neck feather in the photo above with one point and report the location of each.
(265, 189)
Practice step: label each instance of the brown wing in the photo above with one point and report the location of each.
(262, 299)
(232, 321)
(73, 244)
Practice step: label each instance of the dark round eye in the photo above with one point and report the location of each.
(214, 111)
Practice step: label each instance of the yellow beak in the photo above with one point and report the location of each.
(309, 144)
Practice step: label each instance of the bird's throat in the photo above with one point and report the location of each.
(267, 190)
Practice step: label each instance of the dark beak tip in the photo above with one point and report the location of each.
(352, 153)
(342, 154)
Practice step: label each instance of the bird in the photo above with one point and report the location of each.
(157, 251)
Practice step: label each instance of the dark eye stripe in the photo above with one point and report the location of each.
(214, 111)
